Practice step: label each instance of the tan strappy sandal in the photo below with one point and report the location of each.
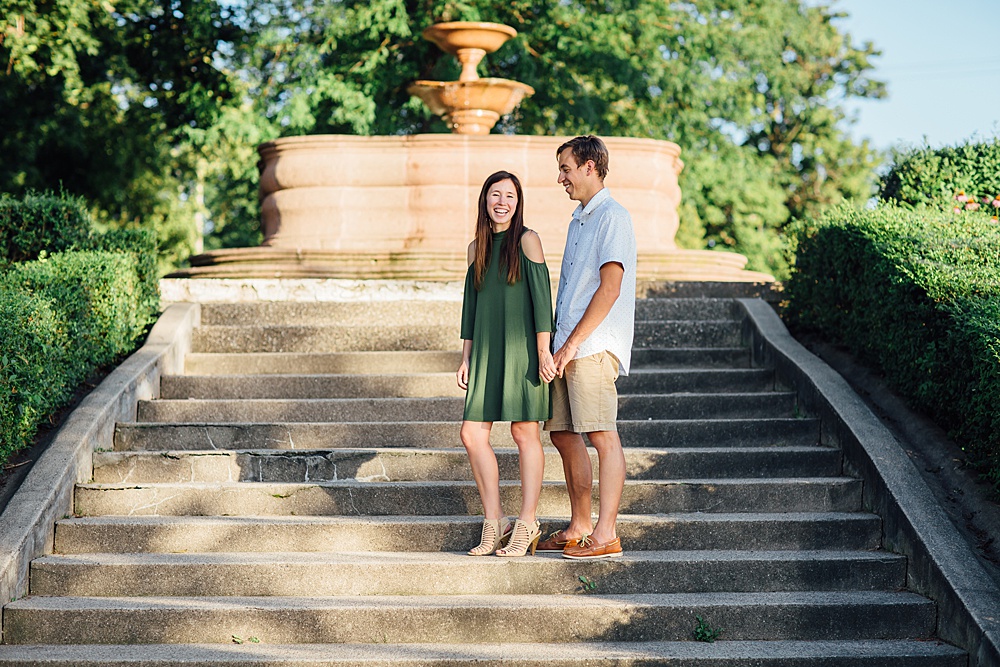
(495, 534)
(524, 537)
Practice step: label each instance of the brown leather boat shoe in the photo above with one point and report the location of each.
(587, 549)
(554, 543)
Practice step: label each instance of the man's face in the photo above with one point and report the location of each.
(573, 176)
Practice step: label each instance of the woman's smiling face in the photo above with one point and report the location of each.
(501, 203)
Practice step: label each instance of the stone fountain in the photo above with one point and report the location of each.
(470, 105)
(404, 207)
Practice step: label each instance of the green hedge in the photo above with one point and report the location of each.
(41, 222)
(945, 178)
(71, 301)
(61, 318)
(93, 293)
(32, 382)
(917, 294)
(140, 246)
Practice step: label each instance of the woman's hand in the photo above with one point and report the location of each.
(546, 367)
(462, 375)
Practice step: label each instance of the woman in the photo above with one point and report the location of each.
(506, 331)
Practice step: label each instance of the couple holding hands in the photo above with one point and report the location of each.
(513, 370)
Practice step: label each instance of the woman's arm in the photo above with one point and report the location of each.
(468, 321)
(462, 375)
(531, 244)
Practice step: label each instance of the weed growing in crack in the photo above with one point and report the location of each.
(703, 632)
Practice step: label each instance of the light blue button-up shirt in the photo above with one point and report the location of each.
(599, 233)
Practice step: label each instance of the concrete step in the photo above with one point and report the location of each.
(467, 619)
(690, 357)
(420, 385)
(703, 289)
(429, 361)
(296, 435)
(374, 363)
(401, 465)
(277, 313)
(378, 337)
(687, 333)
(450, 498)
(844, 653)
(217, 387)
(694, 531)
(715, 405)
(417, 573)
(326, 338)
(402, 313)
(686, 309)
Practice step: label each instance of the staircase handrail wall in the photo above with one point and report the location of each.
(27, 525)
(941, 565)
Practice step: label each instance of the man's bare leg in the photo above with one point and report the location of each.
(611, 476)
(579, 480)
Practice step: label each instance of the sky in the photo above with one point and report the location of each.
(941, 61)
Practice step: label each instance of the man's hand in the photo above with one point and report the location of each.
(563, 356)
(462, 375)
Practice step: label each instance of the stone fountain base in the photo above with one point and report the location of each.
(338, 206)
(264, 262)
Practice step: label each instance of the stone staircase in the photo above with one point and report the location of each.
(300, 498)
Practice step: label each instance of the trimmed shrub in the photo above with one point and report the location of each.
(93, 293)
(61, 318)
(41, 222)
(140, 244)
(945, 178)
(33, 382)
(71, 301)
(916, 294)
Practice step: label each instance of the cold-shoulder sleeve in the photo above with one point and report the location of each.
(537, 275)
(469, 300)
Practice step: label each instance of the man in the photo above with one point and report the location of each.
(595, 315)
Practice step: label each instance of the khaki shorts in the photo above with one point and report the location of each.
(584, 399)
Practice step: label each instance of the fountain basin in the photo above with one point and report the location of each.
(450, 37)
(404, 207)
(471, 107)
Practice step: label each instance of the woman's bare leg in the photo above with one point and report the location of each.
(476, 438)
(531, 460)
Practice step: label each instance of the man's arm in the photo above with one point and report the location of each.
(598, 308)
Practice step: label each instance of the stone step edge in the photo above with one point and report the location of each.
(455, 399)
(612, 654)
(453, 557)
(843, 653)
(639, 519)
(514, 602)
(733, 321)
(407, 451)
(739, 421)
(734, 481)
(451, 374)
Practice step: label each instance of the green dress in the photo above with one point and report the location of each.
(502, 321)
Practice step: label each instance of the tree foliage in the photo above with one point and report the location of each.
(180, 91)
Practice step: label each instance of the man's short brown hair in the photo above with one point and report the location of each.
(588, 148)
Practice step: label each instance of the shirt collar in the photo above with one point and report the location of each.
(592, 205)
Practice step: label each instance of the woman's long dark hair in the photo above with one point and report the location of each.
(510, 258)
